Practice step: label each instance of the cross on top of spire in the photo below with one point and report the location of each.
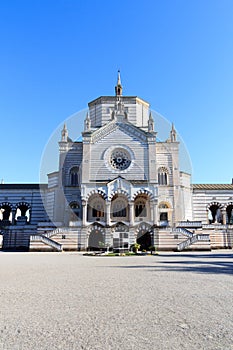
(118, 87)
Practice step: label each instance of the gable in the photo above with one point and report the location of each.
(119, 129)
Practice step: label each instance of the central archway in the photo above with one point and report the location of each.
(144, 236)
(96, 238)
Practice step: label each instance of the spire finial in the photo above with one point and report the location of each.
(64, 134)
(173, 133)
(118, 87)
(118, 77)
(151, 123)
(87, 122)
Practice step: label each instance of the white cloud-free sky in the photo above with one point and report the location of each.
(58, 55)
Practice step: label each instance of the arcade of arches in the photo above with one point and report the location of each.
(118, 209)
(10, 214)
(217, 213)
(120, 236)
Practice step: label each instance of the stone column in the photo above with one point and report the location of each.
(108, 237)
(108, 212)
(131, 213)
(151, 211)
(67, 216)
(84, 205)
(155, 212)
(224, 217)
(13, 216)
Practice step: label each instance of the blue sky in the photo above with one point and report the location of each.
(58, 55)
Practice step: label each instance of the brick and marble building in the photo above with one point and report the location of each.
(118, 186)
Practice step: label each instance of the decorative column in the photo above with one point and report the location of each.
(108, 237)
(13, 216)
(68, 216)
(108, 212)
(151, 211)
(84, 205)
(131, 213)
(154, 212)
(224, 217)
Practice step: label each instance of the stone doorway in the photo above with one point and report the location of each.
(96, 239)
(144, 237)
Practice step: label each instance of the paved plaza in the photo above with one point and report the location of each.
(68, 301)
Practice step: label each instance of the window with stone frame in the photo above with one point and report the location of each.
(119, 208)
(74, 176)
(140, 208)
(76, 211)
(163, 176)
(97, 210)
(96, 207)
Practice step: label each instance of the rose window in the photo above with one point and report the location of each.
(120, 159)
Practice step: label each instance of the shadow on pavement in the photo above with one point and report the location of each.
(198, 263)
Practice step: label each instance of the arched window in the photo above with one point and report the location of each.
(23, 212)
(163, 176)
(96, 207)
(119, 207)
(164, 213)
(98, 210)
(215, 213)
(5, 212)
(229, 211)
(140, 208)
(74, 176)
(76, 213)
(163, 206)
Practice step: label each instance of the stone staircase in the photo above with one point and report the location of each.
(183, 231)
(48, 241)
(192, 238)
(58, 239)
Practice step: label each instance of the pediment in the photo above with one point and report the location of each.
(119, 185)
(125, 127)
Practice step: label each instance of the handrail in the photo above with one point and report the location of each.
(217, 226)
(197, 224)
(191, 240)
(183, 231)
(47, 240)
(52, 243)
(56, 231)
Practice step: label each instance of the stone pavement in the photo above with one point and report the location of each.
(68, 301)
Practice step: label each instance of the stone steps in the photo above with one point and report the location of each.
(68, 239)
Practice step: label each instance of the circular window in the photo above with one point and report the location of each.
(120, 159)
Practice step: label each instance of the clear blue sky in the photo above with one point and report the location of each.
(57, 55)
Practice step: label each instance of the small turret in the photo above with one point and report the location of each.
(151, 123)
(87, 125)
(118, 87)
(173, 134)
(64, 134)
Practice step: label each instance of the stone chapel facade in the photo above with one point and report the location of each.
(118, 186)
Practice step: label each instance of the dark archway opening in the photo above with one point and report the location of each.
(75, 211)
(229, 211)
(5, 214)
(23, 213)
(96, 241)
(144, 239)
(215, 215)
